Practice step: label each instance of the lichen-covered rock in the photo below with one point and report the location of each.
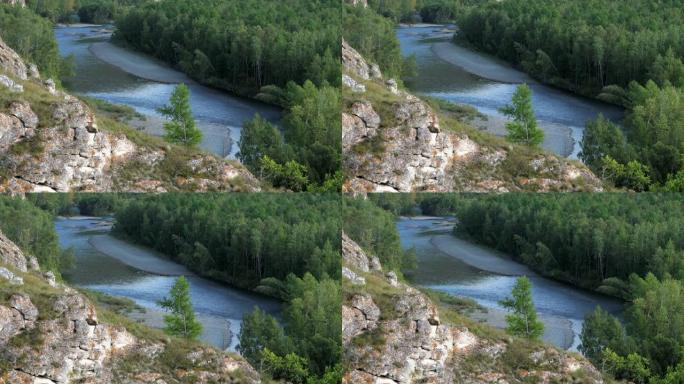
(12, 85)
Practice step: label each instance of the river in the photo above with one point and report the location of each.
(145, 84)
(109, 265)
(463, 76)
(449, 264)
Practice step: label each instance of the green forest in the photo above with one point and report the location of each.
(283, 53)
(628, 54)
(31, 36)
(241, 239)
(285, 246)
(625, 245)
(84, 11)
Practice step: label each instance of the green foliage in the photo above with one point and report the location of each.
(85, 11)
(308, 348)
(239, 238)
(673, 376)
(181, 128)
(260, 332)
(654, 135)
(632, 367)
(603, 331)
(633, 175)
(522, 321)
(650, 343)
(523, 129)
(32, 230)
(32, 38)
(655, 319)
(181, 322)
(240, 45)
(307, 154)
(290, 367)
(411, 11)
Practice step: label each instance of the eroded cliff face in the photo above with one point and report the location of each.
(50, 333)
(50, 142)
(392, 333)
(393, 142)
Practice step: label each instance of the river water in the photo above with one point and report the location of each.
(218, 114)
(108, 265)
(460, 75)
(449, 264)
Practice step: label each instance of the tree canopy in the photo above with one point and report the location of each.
(239, 238)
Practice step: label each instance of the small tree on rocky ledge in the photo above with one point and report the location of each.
(523, 129)
(181, 128)
(181, 322)
(522, 321)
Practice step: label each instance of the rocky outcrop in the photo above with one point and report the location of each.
(50, 142)
(393, 142)
(392, 333)
(50, 333)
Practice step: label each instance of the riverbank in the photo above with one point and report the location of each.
(478, 256)
(557, 331)
(491, 69)
(137, 256)
(557, 137)
(138, 64)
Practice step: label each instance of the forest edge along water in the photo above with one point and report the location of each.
(460, 75)
(453, 265)
(113, 266)
(118, 75)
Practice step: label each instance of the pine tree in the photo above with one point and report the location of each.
(181, 128)
(181, 321)
(523, 319)
(523, 129)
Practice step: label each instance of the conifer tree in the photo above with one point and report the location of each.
(523, 129)
(522, 321)
(181, 128)
(181, 320)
